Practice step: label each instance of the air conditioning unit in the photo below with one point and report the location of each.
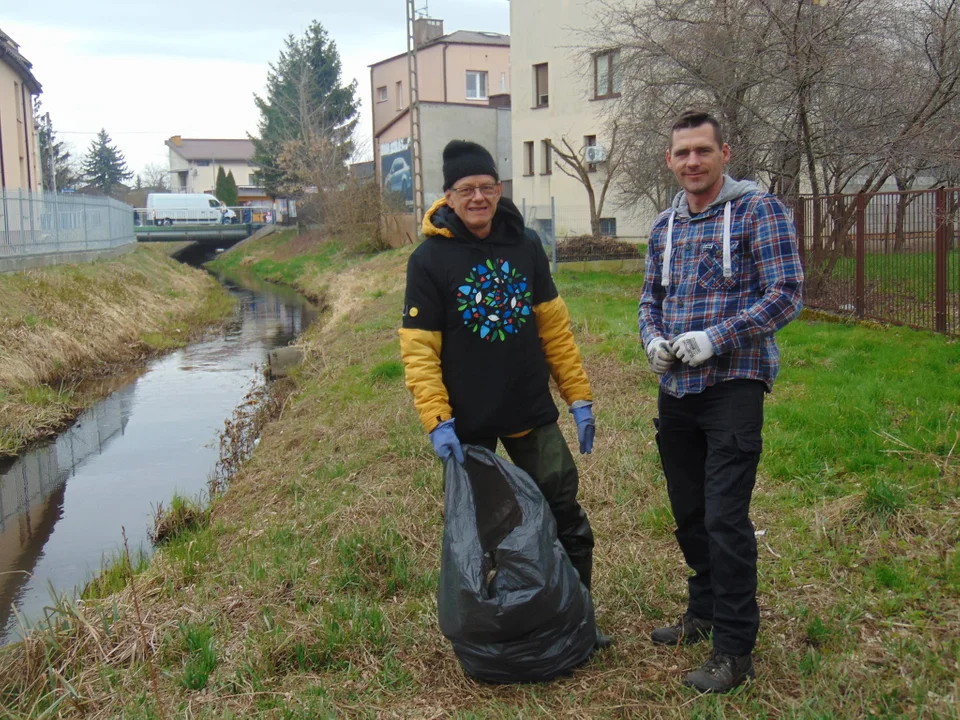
(595, 154)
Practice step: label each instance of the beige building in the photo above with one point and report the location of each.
(194, 163)
(19, 149)
(464, 91)
(563, 92)
(463, 68)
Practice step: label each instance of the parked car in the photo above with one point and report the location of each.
(168, 208)
(400, 179)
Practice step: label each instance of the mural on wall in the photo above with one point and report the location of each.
(396, 169)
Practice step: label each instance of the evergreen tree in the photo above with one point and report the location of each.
(104, 167)
(47, 140)
(306, 102)
(220, 188)
(232, 194)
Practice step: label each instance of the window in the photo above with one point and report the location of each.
(382, 94)
(202, 163)
(503, 82)
(214, 203)
(547, 153)
(476, 85)
(606, 74)
(590, 141)
(528, 158)
(541, 84)
(399, 95)
(608, 227)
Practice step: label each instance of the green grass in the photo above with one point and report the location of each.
(853, 400)
(910, 274)
(386, 371)
(315, 258)
(115, 574)
(320, 563)
(201, 656)
(182, 516)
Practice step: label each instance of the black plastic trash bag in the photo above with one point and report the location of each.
(509, 600)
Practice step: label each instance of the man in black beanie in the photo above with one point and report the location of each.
(483, 330)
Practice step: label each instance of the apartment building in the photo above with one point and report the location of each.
(562, 92)
(464, 91)
(19, 147)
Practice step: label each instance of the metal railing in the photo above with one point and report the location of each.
(43, 223)
(890, 256)
(567, 232)
(244, 214)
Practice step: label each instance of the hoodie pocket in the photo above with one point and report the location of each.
(710, 270)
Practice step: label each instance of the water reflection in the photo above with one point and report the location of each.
(63, 504)
(32, 490)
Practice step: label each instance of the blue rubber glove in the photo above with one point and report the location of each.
(586, 428)
(445, 441)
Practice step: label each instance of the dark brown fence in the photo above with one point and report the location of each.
(891, 256)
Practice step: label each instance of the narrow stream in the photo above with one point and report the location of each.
(63, 504)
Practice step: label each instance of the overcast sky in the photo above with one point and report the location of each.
(147, 70)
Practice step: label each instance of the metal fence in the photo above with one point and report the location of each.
(42, 223)
(890, 256)
(567, 231)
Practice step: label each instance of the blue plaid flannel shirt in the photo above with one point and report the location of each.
(741, 313)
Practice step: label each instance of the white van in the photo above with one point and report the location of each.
(168, 208)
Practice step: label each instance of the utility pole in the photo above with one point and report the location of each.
(416, 150)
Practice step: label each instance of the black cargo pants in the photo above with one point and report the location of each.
(544, 455)
(710, 446)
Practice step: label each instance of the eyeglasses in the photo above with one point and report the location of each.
(488, 191)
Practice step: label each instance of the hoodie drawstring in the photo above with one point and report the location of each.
(668, 247)
(667, 250)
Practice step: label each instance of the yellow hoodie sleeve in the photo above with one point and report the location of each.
(563, 355)
(420, 353)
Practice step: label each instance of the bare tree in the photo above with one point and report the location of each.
(156, 175)
(828, 98)
(572, 162)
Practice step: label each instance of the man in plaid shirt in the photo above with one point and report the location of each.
(722, 276)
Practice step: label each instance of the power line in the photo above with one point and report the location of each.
(112, 132)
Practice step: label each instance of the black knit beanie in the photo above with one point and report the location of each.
(462, 158)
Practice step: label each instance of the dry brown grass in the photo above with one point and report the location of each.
(319, 573)
(62, 324)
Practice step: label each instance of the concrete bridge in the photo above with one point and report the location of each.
(202, 233)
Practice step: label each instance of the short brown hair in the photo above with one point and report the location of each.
(694, 119)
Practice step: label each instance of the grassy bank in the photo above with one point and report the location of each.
(63, 325)
(301, 260)
(311, 591)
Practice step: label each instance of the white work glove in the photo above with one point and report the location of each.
(660, 355)
(693, 348)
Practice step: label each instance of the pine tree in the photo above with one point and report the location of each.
(104, 167)
(306, 102)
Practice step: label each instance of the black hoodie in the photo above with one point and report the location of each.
(479, 294)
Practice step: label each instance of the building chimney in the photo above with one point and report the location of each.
(426, 30)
